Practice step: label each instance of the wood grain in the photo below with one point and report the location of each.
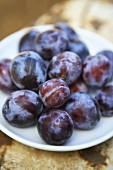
(16, 156)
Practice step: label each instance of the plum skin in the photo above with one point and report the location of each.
(50, 43)
(66, 65)
(22, 108)
(104, 97)
(78, 86)
(79, 47)
(72, 35)
(55, 126)
(109, 55)
(84, 110)
(54, 93)
(27, 42)
(96, 71)
(28, 70)
(6, 83)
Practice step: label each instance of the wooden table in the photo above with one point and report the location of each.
(16, 156)
(98, 17)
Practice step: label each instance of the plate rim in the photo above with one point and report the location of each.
(62, 148)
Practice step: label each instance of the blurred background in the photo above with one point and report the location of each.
(15, 14)
(94, 15)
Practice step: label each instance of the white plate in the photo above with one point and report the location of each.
(29, 136)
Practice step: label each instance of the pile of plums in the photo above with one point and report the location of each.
(50, 81)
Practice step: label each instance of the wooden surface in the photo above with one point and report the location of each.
(16, 156)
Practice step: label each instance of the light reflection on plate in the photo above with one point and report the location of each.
(29, 136)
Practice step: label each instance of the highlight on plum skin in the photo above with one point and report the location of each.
(22, 108)
(84, 110)
(54, 93)
(55, 126)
